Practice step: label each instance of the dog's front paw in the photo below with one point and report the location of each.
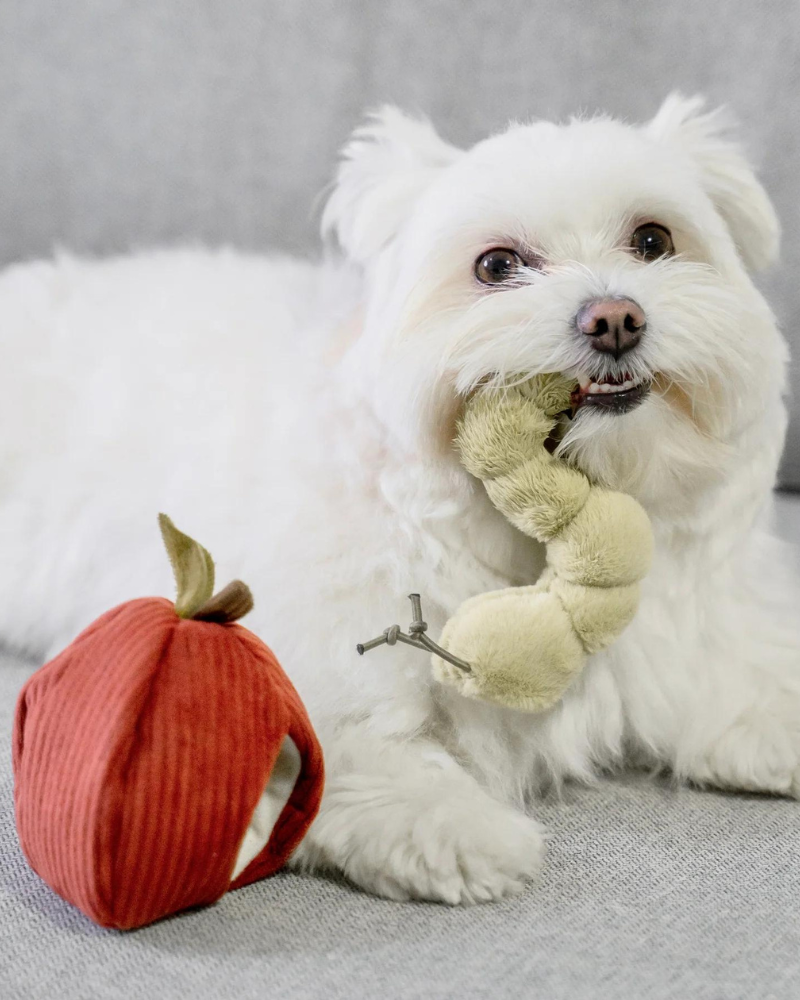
(449, 844)
(758, 753)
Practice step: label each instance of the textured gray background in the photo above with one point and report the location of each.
(128, 124)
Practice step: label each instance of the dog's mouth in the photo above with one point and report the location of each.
(611, 393)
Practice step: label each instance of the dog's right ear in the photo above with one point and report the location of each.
(385, 167)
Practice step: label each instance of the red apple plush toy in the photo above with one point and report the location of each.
(164, 757)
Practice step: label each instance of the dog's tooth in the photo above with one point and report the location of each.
(593, 388)
(584, 382)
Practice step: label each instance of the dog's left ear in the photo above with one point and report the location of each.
(385, 167)
(727, 176)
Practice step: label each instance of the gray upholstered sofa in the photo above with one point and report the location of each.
(163, 122)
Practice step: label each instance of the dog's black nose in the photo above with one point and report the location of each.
(612, 325)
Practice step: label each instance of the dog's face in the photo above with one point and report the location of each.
(615, 254)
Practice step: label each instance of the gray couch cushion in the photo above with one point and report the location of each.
(650, 893)
(133, 124)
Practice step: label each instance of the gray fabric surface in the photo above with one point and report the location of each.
(650, 893)
(136, 124)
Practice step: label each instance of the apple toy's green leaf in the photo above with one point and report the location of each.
(193, 568)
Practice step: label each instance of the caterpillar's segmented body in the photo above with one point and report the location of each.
(526, 644)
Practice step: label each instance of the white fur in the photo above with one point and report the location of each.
(298, 419)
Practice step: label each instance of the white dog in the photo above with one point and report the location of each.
(298, 420)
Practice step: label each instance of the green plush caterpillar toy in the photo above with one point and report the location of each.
(525, 645)
(521, 647)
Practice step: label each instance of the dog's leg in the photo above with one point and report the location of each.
(403, 820)
(723, 707)
(751, 746)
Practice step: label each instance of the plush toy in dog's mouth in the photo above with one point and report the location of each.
(611, 393)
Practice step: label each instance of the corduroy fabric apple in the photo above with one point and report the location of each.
(164, 757)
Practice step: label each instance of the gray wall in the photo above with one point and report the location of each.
(160, 121)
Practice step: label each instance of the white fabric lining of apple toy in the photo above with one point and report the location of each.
(270, 806)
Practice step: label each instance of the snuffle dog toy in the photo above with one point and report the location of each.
(163, 757)
(522, 647)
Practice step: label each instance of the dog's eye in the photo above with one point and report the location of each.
(498, 265)
(652, 241)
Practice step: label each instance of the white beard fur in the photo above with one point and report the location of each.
(262, 404)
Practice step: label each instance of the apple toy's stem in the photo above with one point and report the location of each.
(416, 637)
(193, 568)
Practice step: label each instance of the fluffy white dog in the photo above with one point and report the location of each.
(298, 420)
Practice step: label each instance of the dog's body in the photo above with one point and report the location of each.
(298, 421)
